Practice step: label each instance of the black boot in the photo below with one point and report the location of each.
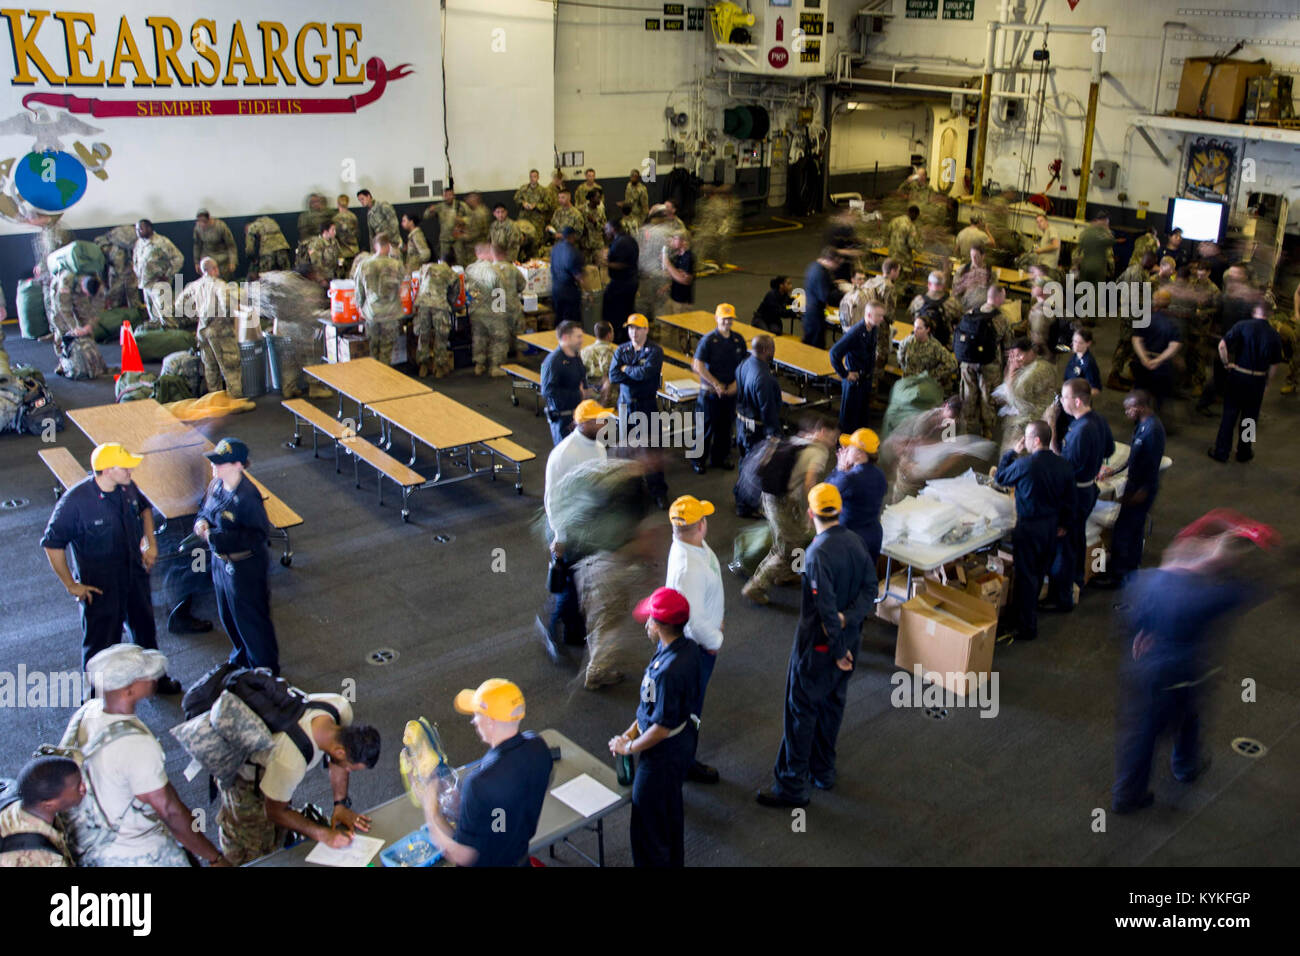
(181, 621)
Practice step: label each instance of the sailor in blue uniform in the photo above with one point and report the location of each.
(854, 359)
(1142, 481)
(716, 359)
(637, 369)
(1085, 446)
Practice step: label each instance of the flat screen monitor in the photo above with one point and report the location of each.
(1200, 221)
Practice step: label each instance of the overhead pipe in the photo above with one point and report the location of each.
(986, 103)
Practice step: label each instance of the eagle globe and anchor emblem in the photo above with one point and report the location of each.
(48, 180)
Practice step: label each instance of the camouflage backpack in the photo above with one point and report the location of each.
(35, 403)
(171, 388)
(132, 386)
(87, 825)
(187, 367)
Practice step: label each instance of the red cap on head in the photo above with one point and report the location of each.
(666, 606)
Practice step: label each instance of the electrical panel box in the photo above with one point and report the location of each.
(788, 39)
(1105, 174)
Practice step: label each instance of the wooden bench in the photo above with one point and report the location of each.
(794, 401)
(526, 379)
(385, 465)
(513, 453)
(320, 422)
(64, 468)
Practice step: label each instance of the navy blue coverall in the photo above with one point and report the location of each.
(1254, 347)
(563, 378)
(670, 688)
(1087, 444)
(721, 355)
(1044, 485)
(836, 577)
(1140, 488)
(862, 494)
(238, 531)
(855, 352)
(637, 374)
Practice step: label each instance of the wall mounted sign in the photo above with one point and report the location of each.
(1209, 169)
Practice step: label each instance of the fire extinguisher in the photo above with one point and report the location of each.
(780, 29)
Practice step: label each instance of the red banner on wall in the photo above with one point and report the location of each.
(376, 72)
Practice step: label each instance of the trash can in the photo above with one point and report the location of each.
(252, 368)
(275, 350)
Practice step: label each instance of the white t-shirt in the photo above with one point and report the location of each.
(695, 572)
(282, 762)
(1051, 258)
(575, 449)
(121, 771)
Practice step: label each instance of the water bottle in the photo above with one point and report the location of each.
(625, 766)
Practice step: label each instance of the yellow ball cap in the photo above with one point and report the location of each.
(590, 410)
(725, 310)
(637, 320)
(824, 500)
(113, 455)
(863, 438)
(688, 509)
(496, 698)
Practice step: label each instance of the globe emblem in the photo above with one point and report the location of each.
(51, 182)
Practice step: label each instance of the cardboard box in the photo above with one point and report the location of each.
(887, 610)
(948, 632)
(345, 348)
(1225, 97)
(990, 587)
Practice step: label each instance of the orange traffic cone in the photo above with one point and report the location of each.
(131, 361)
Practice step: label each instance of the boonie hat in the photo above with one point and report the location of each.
(123, 664)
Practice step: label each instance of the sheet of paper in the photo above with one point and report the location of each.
(359, 852)
(585, 795)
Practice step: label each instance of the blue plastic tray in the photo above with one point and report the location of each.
(416, 843)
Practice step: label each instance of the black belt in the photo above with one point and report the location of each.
(237, 556)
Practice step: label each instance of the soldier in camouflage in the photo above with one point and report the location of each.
(313, 217)
(1204, 340)
(1147, 243)
(117, 245)
(564, 215)
(716, 223)
(512, 281)
(156, 261)
(638, 199)
(920, 354)
(531, 198)
(380, 217)
(477, 220)
(52, 236)
(453, 219)
(593, 225)
(1032, 384)
(207, 296)
(415, 251)
(628, 222)
(585, 189)
(433, 320)
(323, 254)
(345, 231)
(79, 304)
(265, 247)
(944, 309)
(905, 239)
(379, 298)
(504, 232)
(212, 237)
(653, 281)
(293, 301)
(488, 314)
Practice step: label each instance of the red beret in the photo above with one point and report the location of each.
(666, 606)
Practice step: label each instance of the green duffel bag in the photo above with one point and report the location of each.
(751, 547)
(80, 256)
(908, 397)
(171, 388)
(156, 344)
(132, 386)
(110, 322)
(32, 320)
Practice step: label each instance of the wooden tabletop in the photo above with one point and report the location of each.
(439, 421)
(142, 427)
(790, 352)
(547, 342)
(366, 380)
(174, 481)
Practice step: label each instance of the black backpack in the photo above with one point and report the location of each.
(934, 314)
(24, 841)
(777, 464)
(37, 407)
(279, 704)
(976, 340)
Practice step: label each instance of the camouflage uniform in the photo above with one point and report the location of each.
(629, 225)
(265, 246)
(529, 239)
(638, 197)
(1286, 328)
(506, 234)
(15, 820)
(880, 288)
(490, 328)
(292, 303)
(156, 261)
(582, 192)
(1141, 246)
(245, 832)
(381, 217)
(216, 241)
(652, 289)
(592, 239)
(596, 359)
(51, 236)
(972, 286)
(345, 231)
(81, 358)
(536, 195)
(904, 243)
(323, 255)
(416, 250)
(200, 301)
(433, 318)
(951, 309)
(916, 357)
(605, 583)
(476, 233)
(116, 245)
(452, 218)
(218, 345)
(1124, 353)
(1095, 254)
(379, 298)
(787, 516)
(1041, 325)
(1204, 343)
(512, 281)
(715, 223)
(567, 216)
(1032, 390)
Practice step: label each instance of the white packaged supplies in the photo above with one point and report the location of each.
(925, 520)
(682, 388)
(980, 501)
